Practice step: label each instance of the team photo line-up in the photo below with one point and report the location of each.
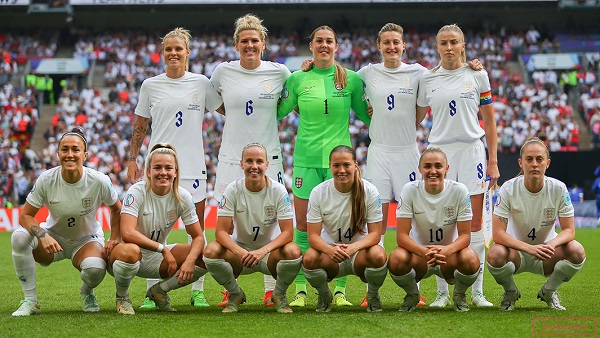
(338, 217)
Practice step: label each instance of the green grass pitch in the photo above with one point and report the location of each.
(61, 316)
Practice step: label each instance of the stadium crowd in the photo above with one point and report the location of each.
(539, 107)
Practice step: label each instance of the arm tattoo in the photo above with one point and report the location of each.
(139, 132)
(504, 220)
(38, 232)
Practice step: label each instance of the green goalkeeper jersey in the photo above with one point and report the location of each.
(324, 113)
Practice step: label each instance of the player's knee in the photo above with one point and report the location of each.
(292, 251)
(127, 252)
(399, 260)
(377, 256)
(22, 241)
(212, 250)
(575, 252)
(469, 261)
(93, 270)
(497, 256)
(311, 259)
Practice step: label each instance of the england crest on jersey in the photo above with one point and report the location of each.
(549, 214)
(450, 212)
(86, 203)
(270, 211)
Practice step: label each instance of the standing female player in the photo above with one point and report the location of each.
(392, 87)
(262, 215)
(72, 193)
(150, 210)
(439, 242)
(323, 96)
(523, 227)
(346, 212)
(176, 101)
(250, 88)
(456, 93)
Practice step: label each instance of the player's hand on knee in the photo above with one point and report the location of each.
(186, 273)
(49, 244)
(171, 262)
(542, 251)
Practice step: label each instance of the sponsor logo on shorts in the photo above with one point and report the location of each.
(298, 182)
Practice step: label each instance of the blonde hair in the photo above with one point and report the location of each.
(358, 216)
(182, 34)
(249, 22)
(257, 145)
(164, 148)
(532, 140)
(340, 78)
(452, 28)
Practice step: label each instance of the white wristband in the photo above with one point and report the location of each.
(160, 248)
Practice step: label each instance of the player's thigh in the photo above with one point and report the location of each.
(467, 165)
(226, 173)
(196, 187)
(275, 172)
(305, 179)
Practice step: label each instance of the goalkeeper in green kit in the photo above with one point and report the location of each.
(323, 97)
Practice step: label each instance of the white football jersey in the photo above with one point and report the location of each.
(255, 214)
(454, 97)
(177, 108)
(333, 209)
(250, 98)
(156, 215)
(435, 217)
(531, 217)
(393, 94)
(72, 206)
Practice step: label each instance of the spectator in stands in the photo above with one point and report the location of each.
(596, 190)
